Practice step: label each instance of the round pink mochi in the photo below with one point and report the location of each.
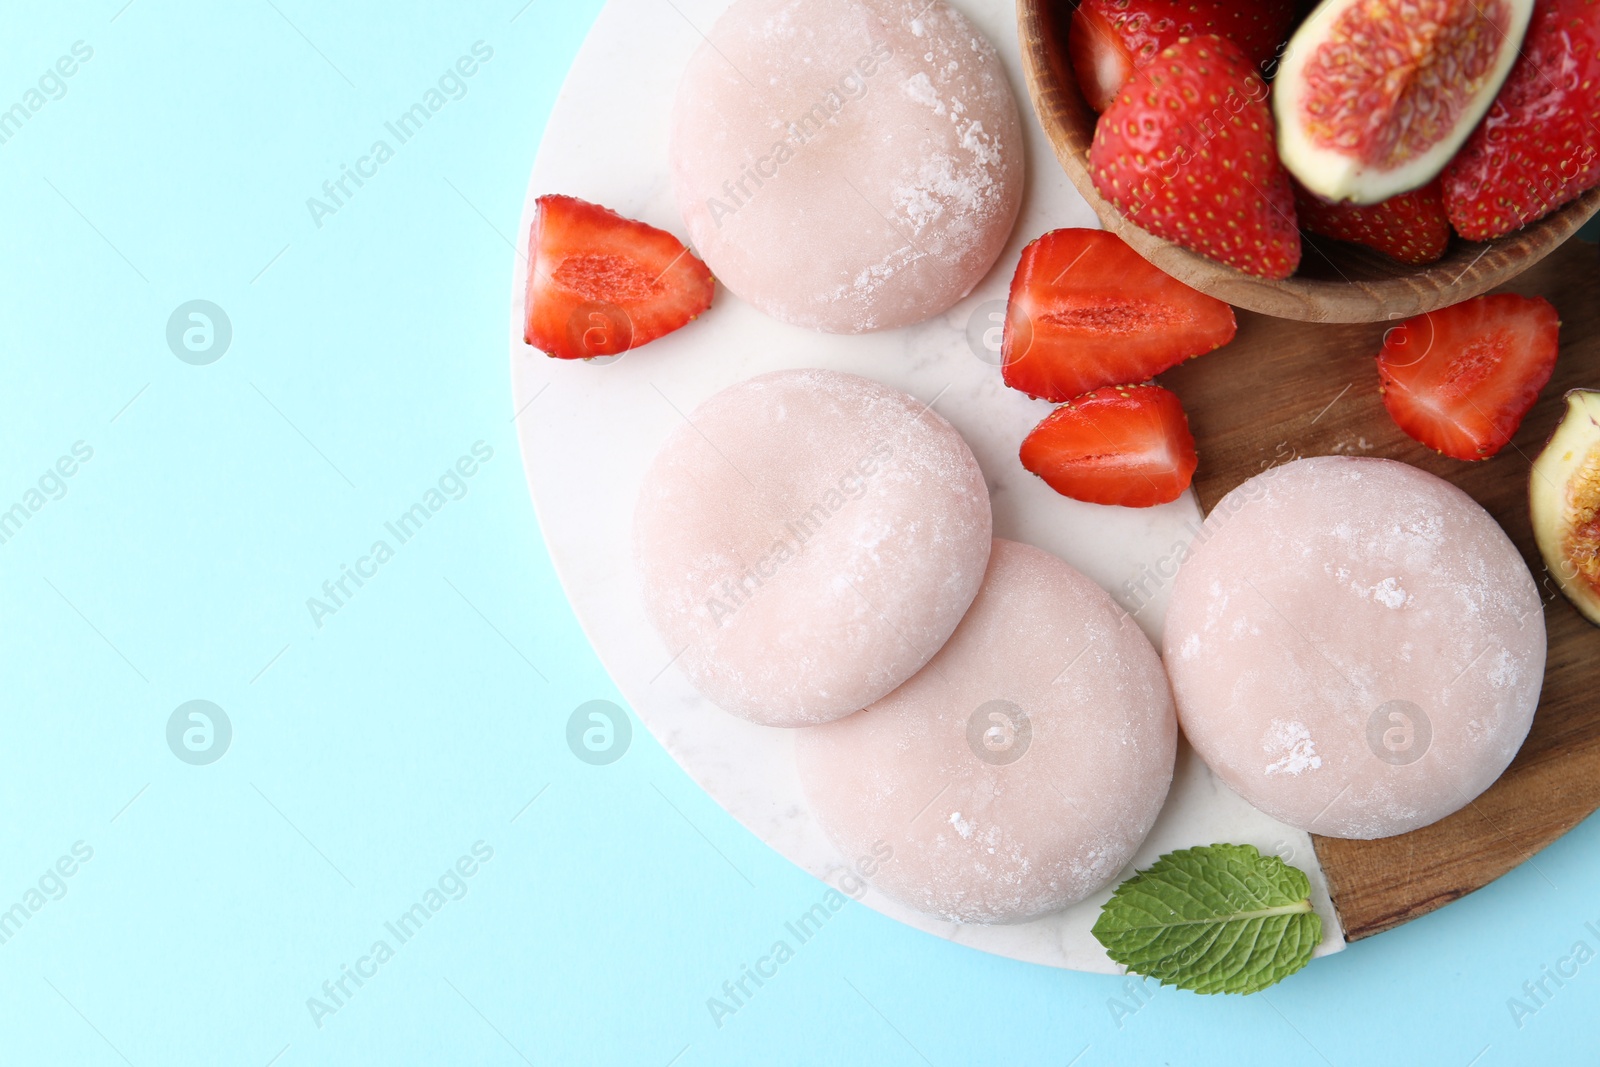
(808, 540)
(1355, 646)
(1020, 770)
(847, 165)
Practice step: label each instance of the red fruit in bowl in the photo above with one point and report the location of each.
(1088, 311)
(1110, 39)
(1127, 445)
(1412, 227)
(1539, 145)
(1187, 152)
(1374, 97)
(1460, 379)
(600, 284)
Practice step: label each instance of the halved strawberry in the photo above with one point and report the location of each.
(1110, 39)
(1086, 311)
(600, 284)
(1460, 380)
(1188, 153)
(1539, 145)
(1128, 445)
(1412, 227)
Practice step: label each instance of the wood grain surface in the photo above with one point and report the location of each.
(1283, 389)
(1337, 282)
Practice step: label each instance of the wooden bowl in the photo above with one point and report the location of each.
(1337, 282)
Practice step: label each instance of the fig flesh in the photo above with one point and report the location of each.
(1564, 495)
(1374, 97)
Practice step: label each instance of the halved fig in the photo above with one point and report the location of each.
(1374, 97)
(1564, 495)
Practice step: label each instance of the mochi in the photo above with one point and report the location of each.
(1016, 773)
(806, 541)
(847, 165)
(1355, 646)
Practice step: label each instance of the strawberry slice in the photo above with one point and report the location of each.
(1088, 311)
(1191, 156)
(1110, 39)
(1539, 145)
(600, 284)
(1460, 380)
(1412, 227)
(1128, 445)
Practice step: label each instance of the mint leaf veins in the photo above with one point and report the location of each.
(1212, 919)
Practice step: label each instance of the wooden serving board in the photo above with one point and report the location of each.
(1285, 388)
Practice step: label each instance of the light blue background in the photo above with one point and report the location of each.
(368, 755)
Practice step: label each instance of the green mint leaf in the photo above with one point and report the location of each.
(1212, 919)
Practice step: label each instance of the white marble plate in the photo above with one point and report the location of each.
(588, 431)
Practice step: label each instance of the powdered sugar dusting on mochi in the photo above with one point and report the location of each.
(1291, 742)
(1389, 594)
(1368, 629)
(1020, 769)
(847, 165)
(808, 540)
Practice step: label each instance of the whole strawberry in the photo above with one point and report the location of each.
(1539, 145)
(1411, 227)
(1110, 39)
(1187, 152)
